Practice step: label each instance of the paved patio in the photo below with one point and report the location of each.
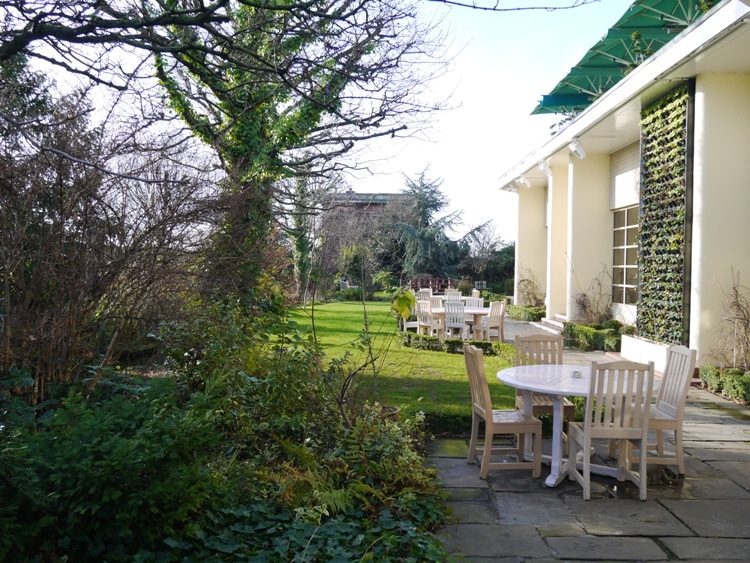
(701, 516)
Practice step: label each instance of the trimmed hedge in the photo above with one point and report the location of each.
(732, 383)
(456, 345)
(584, 337)
(531, 314)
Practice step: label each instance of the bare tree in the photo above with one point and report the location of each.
(88, 259)
(483, 242)
(501, 6)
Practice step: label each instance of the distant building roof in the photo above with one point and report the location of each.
(365, 200)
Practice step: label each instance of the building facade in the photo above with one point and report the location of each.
(643, 196)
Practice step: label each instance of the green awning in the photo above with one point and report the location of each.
(644, 28)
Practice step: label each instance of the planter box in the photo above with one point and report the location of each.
(637, 349)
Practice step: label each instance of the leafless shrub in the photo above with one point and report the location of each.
(732, 348)
(530, 291)
(595, 304)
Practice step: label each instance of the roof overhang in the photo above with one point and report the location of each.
(718, 42)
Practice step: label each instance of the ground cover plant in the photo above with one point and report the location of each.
(414, 380)
(237, 450)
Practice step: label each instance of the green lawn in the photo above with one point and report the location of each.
(415, 380)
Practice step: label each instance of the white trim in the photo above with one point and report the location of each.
(698, 37)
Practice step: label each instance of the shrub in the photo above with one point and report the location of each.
(118, 476)
(242, 453)
(456, 345)
(531, 314)
(711, 378)
(737, 386)
(586, 337)
(733, 383)
(627, 329)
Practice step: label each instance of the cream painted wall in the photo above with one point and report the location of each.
(589, 231)
(721, 202)
(557, 233)
(531, 242)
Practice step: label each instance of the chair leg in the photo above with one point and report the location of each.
(586, 470)
(612, 452)
(642, 477)
(659, 443)
(474, 438)
(487, 454)
(678, 451)
(537, 470)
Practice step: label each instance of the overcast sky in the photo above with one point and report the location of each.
(506, 63)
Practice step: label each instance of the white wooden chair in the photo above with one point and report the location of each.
(493, 322)
(424, 294)
(616, 409)
(535, 349)
(411, 323)
(497, 423)
(436, 301)
(667, 412)
(455, 319)
(452, 295)
(473, 302)
(427, 323)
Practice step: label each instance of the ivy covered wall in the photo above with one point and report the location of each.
(661, 259)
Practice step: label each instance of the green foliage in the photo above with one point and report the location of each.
(737, 386)
(451, 345)
(424, 238)
(531, 314)
(585, 337)
(403, 304)
(662, 222)
(241, 453)
(115, 477)
(465, 287)
(711, 378)
(733, 383)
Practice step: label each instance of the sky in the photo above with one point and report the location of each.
(504, 63)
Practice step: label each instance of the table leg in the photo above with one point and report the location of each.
(558, 465)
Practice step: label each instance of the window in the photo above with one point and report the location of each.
(625, 256)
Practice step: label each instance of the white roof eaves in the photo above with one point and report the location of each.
(682, 48)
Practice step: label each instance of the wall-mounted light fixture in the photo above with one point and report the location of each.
(576, 148)
(544, 168)
(523, 181)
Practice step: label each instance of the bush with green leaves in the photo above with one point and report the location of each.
(240, 451)
(733, 383)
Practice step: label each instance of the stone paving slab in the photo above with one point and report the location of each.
(701, 487)
(709, 548)
(626, 517)
(737, 471)
(589, 548)
(713, 518)
(533, 509)
(494, 540)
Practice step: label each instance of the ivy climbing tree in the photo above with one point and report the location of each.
(275, 89)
